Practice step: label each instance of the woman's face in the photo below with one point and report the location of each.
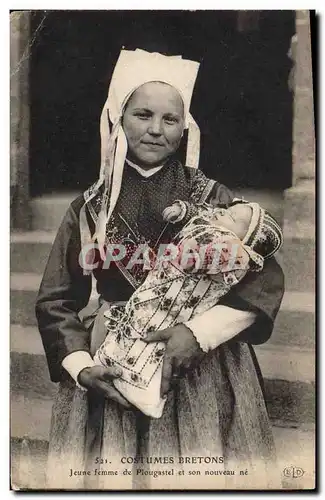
(153, 123)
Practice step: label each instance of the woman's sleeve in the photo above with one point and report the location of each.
(64, 291)
(258, 292)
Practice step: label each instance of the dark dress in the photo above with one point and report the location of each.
(218, 410)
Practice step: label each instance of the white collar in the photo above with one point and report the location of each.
(143, 172)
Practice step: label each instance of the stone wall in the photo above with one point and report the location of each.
(19, 119)
(303, 130)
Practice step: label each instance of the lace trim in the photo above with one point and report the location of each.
(201, 188)
(200, 340)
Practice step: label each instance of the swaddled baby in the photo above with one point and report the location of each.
(215, 248)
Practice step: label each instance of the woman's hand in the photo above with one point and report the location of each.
(182, 352)
(99, 379)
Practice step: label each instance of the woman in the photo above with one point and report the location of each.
(215, 405)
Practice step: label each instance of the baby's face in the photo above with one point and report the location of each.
(236, 219)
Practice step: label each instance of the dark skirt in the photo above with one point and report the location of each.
(214, 434)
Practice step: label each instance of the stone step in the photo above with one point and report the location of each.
(30, 416)
(23, 293)
(29, 251)
(293, 364)
(48, 211)
(295, 323)
(299, 261)
(294, 328)
(30, 372)
(299, 229)
(27, 464)
(300, 205)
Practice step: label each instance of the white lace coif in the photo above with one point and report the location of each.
(133, 69)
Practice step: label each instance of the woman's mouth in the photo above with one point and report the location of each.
(152, 144)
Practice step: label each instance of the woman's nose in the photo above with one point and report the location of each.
(155, 127)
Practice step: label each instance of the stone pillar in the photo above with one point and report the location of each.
(299, 214)
(299, 206)
(19, 119)
(303, 126)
